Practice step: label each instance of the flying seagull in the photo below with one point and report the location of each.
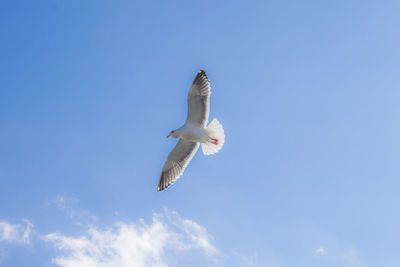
(194, 132)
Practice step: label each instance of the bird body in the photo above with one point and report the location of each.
(193, 133)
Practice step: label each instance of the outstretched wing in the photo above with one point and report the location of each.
(199, 100)
(176, 163)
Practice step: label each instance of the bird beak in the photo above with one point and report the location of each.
(168, 136)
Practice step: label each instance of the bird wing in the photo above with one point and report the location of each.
(199, 100)
(176, 163)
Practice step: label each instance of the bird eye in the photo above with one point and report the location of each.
(173, 132)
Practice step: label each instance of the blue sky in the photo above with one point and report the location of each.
(307, 92)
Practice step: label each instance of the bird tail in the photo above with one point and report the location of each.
(216, 138)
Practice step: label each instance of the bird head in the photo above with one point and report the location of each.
(174, 133)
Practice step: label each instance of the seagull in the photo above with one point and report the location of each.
(193, 133)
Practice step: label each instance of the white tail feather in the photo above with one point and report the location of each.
(216, 138)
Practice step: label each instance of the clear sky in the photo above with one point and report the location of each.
(307, 91)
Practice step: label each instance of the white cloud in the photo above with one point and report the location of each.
(8, 232)
(15, 232)
(353, 258)
(251, 260)
(132, 244)
(70, 205)
(320, 251)
(197, 234)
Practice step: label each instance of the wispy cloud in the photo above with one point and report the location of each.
(320, 251)
(197, 234)
(250, 260)
(16, 232)
(353, 258)
(132, 244)
(70, 205)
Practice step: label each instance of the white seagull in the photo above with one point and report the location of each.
(194, 132)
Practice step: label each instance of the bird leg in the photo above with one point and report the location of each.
(214, 140)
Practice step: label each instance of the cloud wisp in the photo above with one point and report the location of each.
(16, 233)
(132, 244)
(320, 251)
(70, 205)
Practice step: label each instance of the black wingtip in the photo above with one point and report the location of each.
(202, 73)
(161, 184)
(159, 189)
